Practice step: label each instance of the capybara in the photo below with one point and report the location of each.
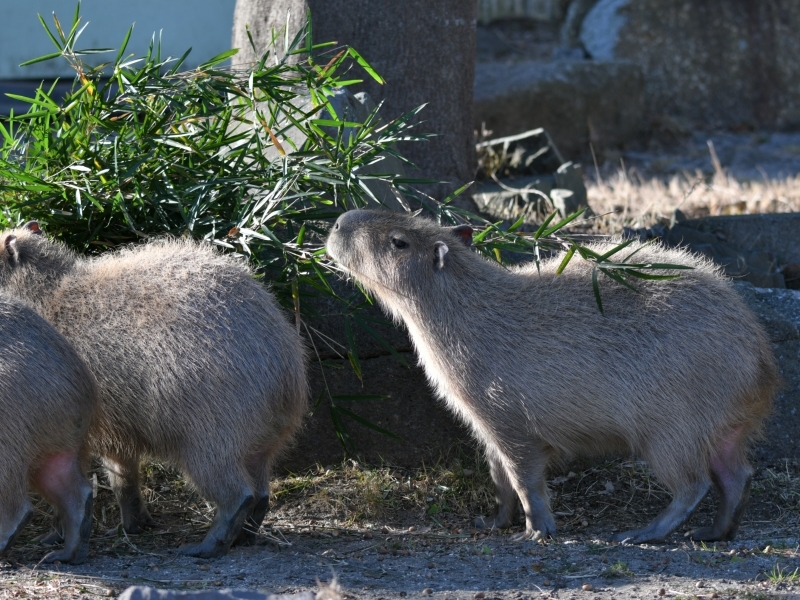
(680, 374)
(196, 366)
(47, 398)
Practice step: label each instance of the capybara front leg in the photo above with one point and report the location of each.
(61, 482)
(731, 474)
(529, 480)
(123, 475)
(505, 496)
(683, 504)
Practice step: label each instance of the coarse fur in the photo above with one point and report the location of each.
(47, 400)
(681, 374)
(195, 362)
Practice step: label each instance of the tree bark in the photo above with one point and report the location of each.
(424, 49)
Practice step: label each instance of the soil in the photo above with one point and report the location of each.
(391, 533)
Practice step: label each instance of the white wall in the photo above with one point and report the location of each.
(203, 25)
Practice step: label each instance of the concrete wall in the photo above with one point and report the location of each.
(203, 25)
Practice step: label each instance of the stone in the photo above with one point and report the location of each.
(716, 63)
(577, 102)
(541, 10)
(569, 176)
(141, 592)
(410, 410)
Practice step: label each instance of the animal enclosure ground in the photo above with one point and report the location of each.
(387, 532)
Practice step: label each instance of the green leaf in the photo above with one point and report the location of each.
(596, 290)
(365, 65)
(565, 261)
(40, 59)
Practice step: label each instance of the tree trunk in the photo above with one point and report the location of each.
(424, 49)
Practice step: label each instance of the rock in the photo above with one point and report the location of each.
(540, 10)
(529, 179)
(577, 102)
(569, 176)
(571, 28)
(410, 410)
(717, 63)
(529, 153)
(140, 592)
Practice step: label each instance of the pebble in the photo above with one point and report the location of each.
(546, 582)
(585, 523)
(662, 592)
(427, 592)
(367, 535)
(479, 595)
(413, 528)
(699, 584)
(204, 567)
(587, 587)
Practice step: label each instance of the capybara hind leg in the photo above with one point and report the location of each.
(13, 522)
(732, 475)
(60, 481)
(234, 498)
(505, 496)
(683, 503)
(123, 475)
(259, 470)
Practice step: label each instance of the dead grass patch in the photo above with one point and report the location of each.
(628, 199)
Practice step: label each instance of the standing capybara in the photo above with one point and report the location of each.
(196, 365)
(47, 400)
(681, 374)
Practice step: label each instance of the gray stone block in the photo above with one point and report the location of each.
(577, 102)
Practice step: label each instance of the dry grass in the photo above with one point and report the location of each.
(627, 199)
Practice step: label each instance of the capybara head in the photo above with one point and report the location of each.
(395, 254)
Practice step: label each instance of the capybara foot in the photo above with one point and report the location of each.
(531, 536)
(50, 539)
(635, 536)
(74, 556)
(708, 534)
(537, 529)
(498, 521)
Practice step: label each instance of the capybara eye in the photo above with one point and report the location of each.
(398, 243)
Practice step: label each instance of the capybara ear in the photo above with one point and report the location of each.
(464, 233)
(33, 227)
(10, 245)
(440, 251)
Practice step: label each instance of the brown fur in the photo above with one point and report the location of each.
(47, 399)
(681, 374)
(195, 362)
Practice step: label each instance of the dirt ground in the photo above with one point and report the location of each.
(388, 533)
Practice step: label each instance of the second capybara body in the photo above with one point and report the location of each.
(47, 400)
(195, 363)
(681, 374)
